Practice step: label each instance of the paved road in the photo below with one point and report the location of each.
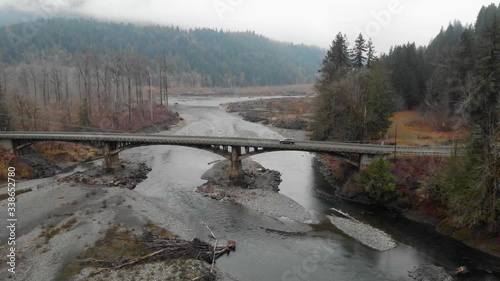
(311, 146)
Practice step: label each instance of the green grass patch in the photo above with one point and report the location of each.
(52, 230)
(117, 245)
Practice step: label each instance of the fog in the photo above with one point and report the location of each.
(313, 22)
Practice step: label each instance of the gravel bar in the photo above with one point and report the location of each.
(366, 234)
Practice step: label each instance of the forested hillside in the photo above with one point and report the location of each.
(199, 57)
(81, 74)
(455, 77)
(437, 79)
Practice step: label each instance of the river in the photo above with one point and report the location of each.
(271, 249)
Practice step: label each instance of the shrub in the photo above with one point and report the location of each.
(377, 180)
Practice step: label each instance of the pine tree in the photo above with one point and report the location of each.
(4, 113)
(377, 180)
(380, 104)
(466, 53)
(370, 56)
(358, 52)
(484, 111)
(484, 19)
(335, 66)
(485, 106)
(352, 105)
(336, 61)
(408, 74)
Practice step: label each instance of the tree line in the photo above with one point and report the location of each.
(195, 57)
(92, 83)
(460, 78)
(457, 76)
(110, 70)
(356, 96)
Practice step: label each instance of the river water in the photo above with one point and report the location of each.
(271, 249)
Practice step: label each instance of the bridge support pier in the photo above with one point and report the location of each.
(111, 159)
(8, 145)
(236, 167)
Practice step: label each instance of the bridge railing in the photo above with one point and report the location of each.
(274, 144)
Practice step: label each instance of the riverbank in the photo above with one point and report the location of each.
(285, 113)
(64, 219)
(475, 238)
(295, 89)
(409, 203)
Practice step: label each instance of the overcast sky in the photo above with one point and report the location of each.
(313, 22)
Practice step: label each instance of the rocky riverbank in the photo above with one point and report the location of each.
(258, 191)
(40, 166)
(65, 220)
(429, 273)
(127, 175)
(340, 175)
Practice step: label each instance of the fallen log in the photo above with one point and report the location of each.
(343, 214)
(168, 248)
(129, 262)
(461, 270)
(220, 250)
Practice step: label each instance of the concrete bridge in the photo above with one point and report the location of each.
(233, 149)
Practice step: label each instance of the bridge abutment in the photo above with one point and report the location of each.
(367, 159)
(111, 159)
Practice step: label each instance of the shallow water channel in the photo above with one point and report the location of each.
(271, 249)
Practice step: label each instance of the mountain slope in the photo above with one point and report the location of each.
(243, 58)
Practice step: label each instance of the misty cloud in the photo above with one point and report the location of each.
(38, 6)
(311, 22)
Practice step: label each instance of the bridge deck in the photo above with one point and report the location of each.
(272, 144)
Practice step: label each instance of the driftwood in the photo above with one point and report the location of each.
(461, 270)
(179, 248)
(165, 248)
(344, 215)
(215, 247)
